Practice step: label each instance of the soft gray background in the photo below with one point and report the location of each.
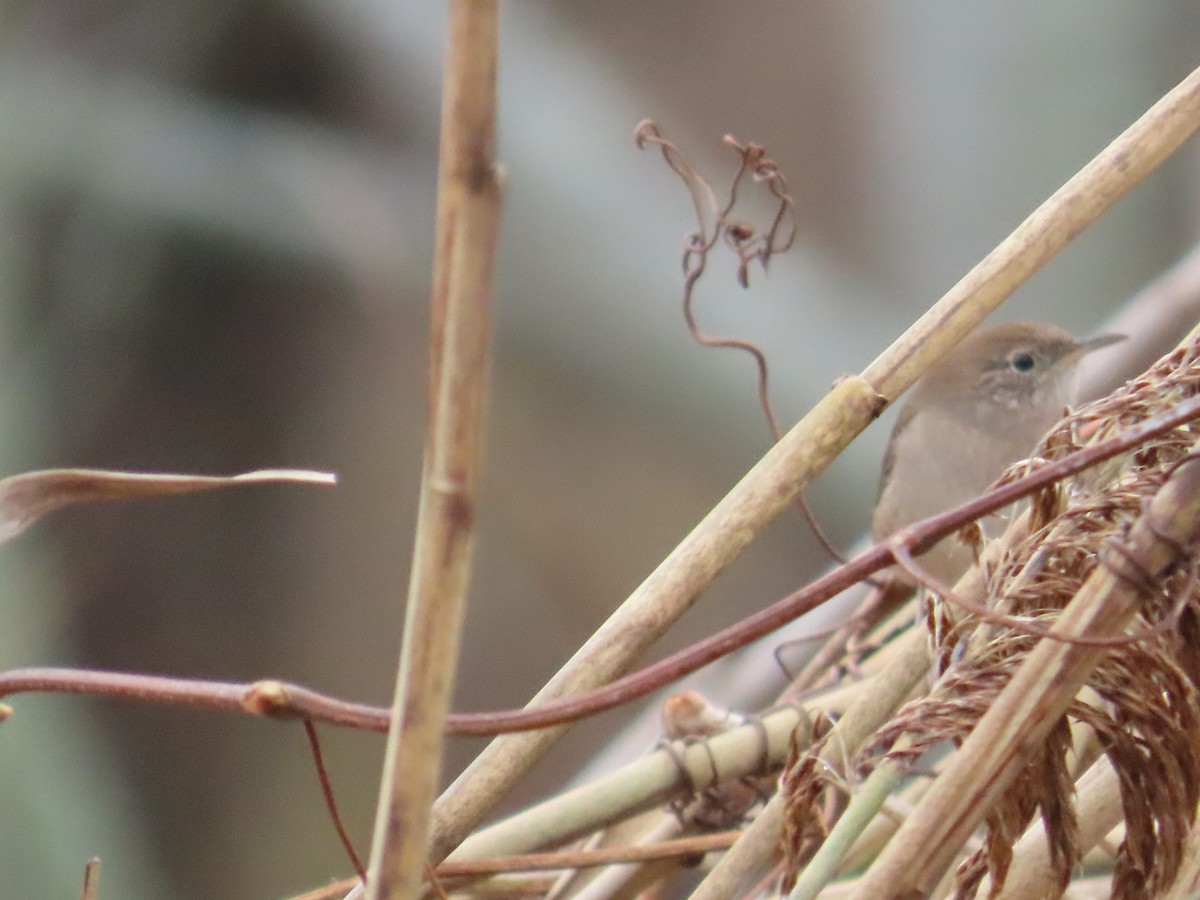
(215, 226)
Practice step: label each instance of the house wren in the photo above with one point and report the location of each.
(982, 407)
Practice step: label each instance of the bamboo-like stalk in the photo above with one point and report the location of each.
(870, 710)
(642, 784)
(1036, 697)
(805, 451)
(653, 779)
(467, 232)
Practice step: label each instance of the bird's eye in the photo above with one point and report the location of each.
(1021, 362)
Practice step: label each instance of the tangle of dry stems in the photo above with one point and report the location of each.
(1143, 706)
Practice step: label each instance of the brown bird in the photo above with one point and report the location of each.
(980, 408)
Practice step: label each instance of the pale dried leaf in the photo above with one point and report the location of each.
(27, 497)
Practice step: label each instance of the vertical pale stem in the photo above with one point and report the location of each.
(467, 231)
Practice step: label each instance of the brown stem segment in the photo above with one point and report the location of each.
(467, 233)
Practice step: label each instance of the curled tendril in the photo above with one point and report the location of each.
(715, 224)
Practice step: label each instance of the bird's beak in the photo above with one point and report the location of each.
(1100, 340)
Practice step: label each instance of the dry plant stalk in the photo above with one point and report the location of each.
(1126, 528)
(467, 233)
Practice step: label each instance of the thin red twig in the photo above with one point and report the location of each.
(314, 744)
(435, 883)
(269, 698)
(583, 859)
(560, 860)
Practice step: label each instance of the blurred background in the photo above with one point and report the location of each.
(215, 232)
